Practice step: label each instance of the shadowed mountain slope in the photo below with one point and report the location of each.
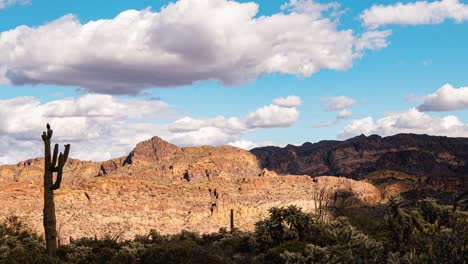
(356, 157)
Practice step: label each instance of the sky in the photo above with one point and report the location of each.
(109, 74)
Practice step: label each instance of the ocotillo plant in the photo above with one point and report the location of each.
(52, 163)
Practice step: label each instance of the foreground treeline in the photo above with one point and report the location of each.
(424, 233)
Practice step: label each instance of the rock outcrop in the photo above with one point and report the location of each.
(153, 159)
(154, 150)
(354, 158)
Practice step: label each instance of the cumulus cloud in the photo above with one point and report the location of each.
(99, 127)
(203, 136)
(415, 13)
(6, 3)
(411, 121)
(13, 150)
(337, 103)
(185, 42)
(102, 127)
(191, 124)
(290, 101)
(222, 130)
(272, 116)
(446, 98)
(188, 131)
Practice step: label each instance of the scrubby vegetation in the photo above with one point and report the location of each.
(426, 233)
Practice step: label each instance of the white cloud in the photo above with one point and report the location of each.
(222, 130)
(186, 41)
(373, 40)
(337, 103)
(6, 3)
(411, 121)
(99, 127)
(415, 13)
(272, 116)
(446, 98)
(310, 8)
(13, 150)
(360, 126)
(203, 136)
(26, 115)
(290, 101)
(188, 131)
(191, 124)
(248, 145)
(343, 114)
(102, 127)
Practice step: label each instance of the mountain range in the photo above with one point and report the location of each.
(169, 188)
(354, 158)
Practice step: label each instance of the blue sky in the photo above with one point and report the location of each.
(417, 59)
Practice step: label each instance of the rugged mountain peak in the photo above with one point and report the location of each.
(152, 150)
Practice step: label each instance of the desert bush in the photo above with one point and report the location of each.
(430, 233)
(427, 233)
(180, 251)
(284, 224)
(19, 244)
(345, 245)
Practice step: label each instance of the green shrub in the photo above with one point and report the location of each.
(19, 244)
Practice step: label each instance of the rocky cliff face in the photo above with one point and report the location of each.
(356, 157)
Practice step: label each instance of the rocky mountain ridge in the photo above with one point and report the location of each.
(354, 158)
(153, 159)
(169, 188)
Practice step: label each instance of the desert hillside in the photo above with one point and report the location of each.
(168, 188)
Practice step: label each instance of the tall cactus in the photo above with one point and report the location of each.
(52, 163)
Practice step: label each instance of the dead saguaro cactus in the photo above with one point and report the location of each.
(52, 164)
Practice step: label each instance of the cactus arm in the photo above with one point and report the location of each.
(58, 181)
(54, 157)
(63, 157)
(49, 133)
(67, 151)
(61, 162)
